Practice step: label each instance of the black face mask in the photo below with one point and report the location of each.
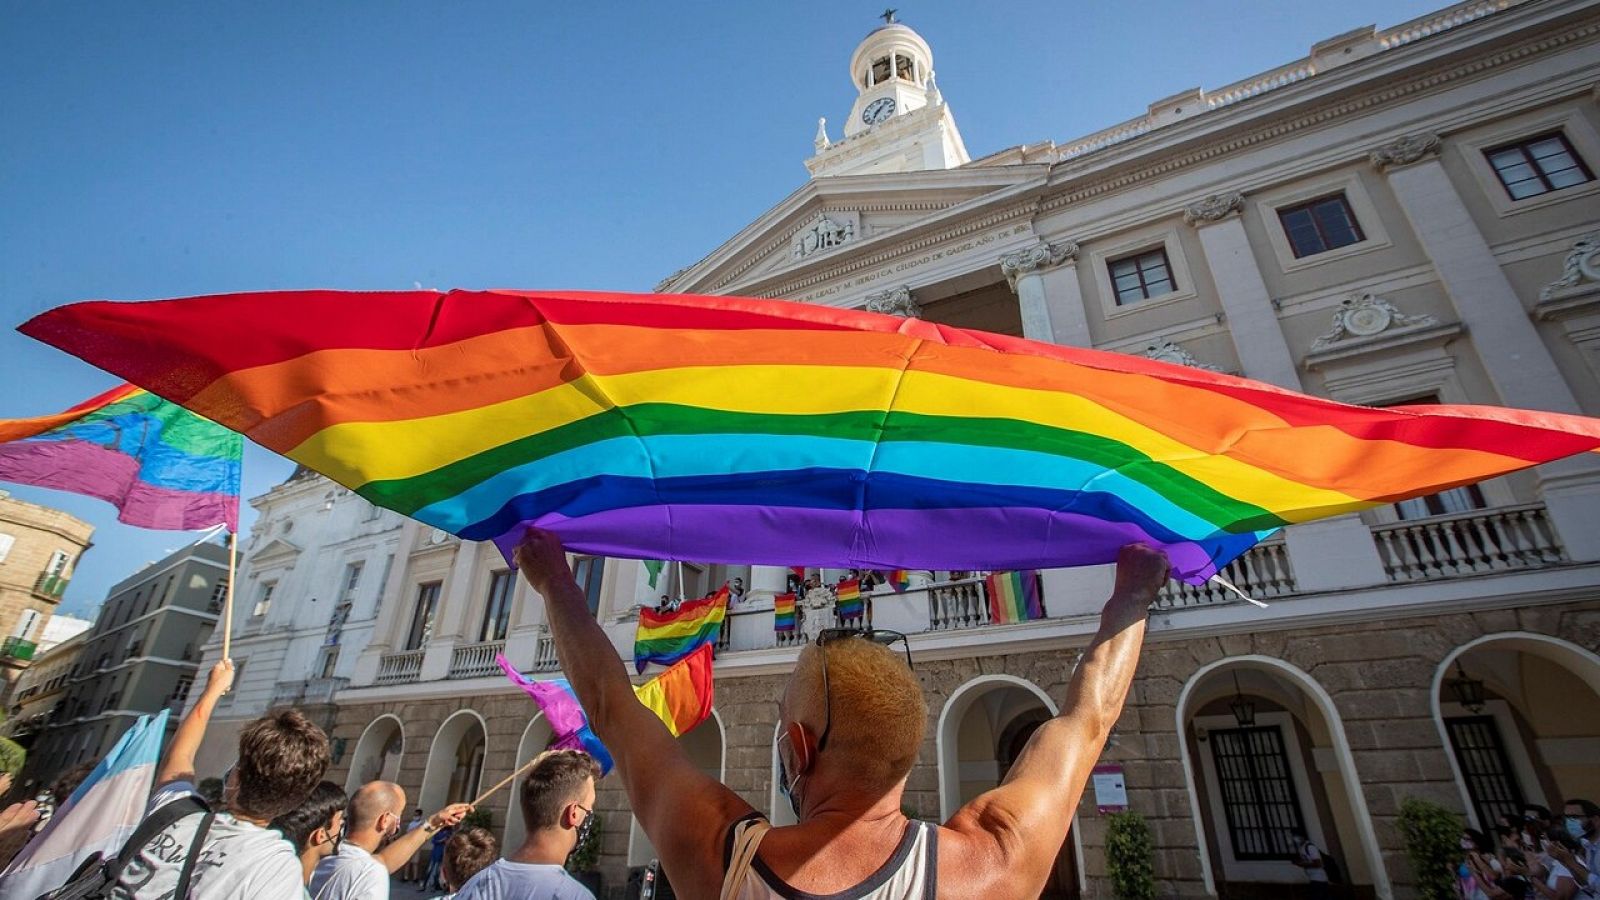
(584, 829)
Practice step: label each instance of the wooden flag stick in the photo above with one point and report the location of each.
(227, 602)
(508, 779)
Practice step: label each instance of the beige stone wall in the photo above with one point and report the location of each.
(1378, 676)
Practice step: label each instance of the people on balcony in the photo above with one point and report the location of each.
(851, 722)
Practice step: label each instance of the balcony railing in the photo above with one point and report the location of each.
(958, 604)
(17, 648)
(310, 692)
(1263, 572)
(475, 660)
(398, 668)
(49, 586)
(1474, 543)
(544, 655)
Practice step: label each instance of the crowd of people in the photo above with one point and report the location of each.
(1535, 855)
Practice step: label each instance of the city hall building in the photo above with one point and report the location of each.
(1406, 215)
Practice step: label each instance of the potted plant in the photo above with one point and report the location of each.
(584, 863)
(1128, 857)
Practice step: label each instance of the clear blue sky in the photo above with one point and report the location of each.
(156, 150)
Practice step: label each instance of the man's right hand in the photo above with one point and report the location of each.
(221, 679)
(541, 558)
(450, 816)
(1141, 571)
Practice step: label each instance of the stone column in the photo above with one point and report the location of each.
(1252, 320)
(1045, 279)
(1515, 356)
(455, 603)
(393, 607)
(767, 581)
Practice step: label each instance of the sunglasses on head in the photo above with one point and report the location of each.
(829, 635)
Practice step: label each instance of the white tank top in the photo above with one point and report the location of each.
(910, 873)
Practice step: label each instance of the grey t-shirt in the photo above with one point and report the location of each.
(507, 880)
(238, 860)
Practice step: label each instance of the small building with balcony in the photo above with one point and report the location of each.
(39, 546)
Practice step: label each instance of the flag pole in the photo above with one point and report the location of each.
(227, 602)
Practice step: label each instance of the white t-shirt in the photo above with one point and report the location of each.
(238, 860)
(350, 874)
(507, 880)
(1557, 872)
(1309, 853)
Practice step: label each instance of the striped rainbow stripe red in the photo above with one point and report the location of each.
(734, 430)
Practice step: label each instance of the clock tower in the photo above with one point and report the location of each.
(899, 122)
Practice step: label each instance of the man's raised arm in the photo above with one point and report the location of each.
(178, 764)
(684, 811)
(1013, 833)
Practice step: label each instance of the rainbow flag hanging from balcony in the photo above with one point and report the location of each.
(1014, 596)
(666, 637)
(847, 599)
(783, 613)
(860, 440)
(161, 465)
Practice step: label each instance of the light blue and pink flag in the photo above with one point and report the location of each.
(160, 464)
(562, 712)
(100, 815)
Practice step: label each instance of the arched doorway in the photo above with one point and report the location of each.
(377, 755)
(1519, 715)
(455, 761)
(536, 739)
(981, 732)
(705, 744)
(1265, 754)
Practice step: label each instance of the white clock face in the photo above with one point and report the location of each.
(878, 110)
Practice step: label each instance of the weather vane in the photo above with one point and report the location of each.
(888, 16)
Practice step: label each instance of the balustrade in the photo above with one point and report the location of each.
(398, 668)
(958, 604)
(544, 655)
(1482, 541)
(475, 660)
(1263, 572)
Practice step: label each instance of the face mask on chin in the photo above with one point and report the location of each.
(790, 790)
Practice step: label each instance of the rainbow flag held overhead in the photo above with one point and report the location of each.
(161, 465)
(847, 599)
(783, 620)
(666, 637)
(864, 440)
(681, 697)
(1014, 596)
(900, 579)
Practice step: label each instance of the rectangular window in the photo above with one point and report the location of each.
(1258, 794)
(330, 661)
(25, 624)
(264, 599)
(1491, 784)
(6, 540)
(352, 578)
(497, 611)
(180, 691)
(422, 617)
(1538, 165)
(1140, 277)
(57, 564)
(219, 595)
(1320, 225)
(590, 572)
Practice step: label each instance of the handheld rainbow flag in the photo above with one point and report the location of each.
(783, 613)
(1014, 596)
(681, 697)
(666, 637)
(847, 599)
(160, 464)
(900, 579)
(865, 440)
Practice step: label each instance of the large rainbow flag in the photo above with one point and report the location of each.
(732, 430)
(1014, 596)
(681, 697)
(783, 619)
(666, 637)
(160, 464)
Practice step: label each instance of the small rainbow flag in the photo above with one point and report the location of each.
(681, 698)
(667, 637)
(900, 579)
(783, 613)
(160, 464)
(847, 602)
(1014, 596)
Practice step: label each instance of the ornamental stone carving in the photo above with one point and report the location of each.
(830, 230)
(1214, 208)
(1168, 352)
(1405, 150)
(895, 301)
(1581, 265)
(1042, 255)
(1365, 315)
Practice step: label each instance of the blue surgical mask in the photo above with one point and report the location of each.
(1575, 826)
(790, 790)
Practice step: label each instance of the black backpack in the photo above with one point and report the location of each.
(96, 876)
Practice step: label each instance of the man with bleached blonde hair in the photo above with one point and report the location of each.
(851, 720)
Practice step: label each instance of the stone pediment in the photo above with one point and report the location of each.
(275, 549)
(829, 219)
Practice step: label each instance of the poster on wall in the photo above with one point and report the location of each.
(1110, 791)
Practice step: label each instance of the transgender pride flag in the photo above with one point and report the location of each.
(99, 816)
